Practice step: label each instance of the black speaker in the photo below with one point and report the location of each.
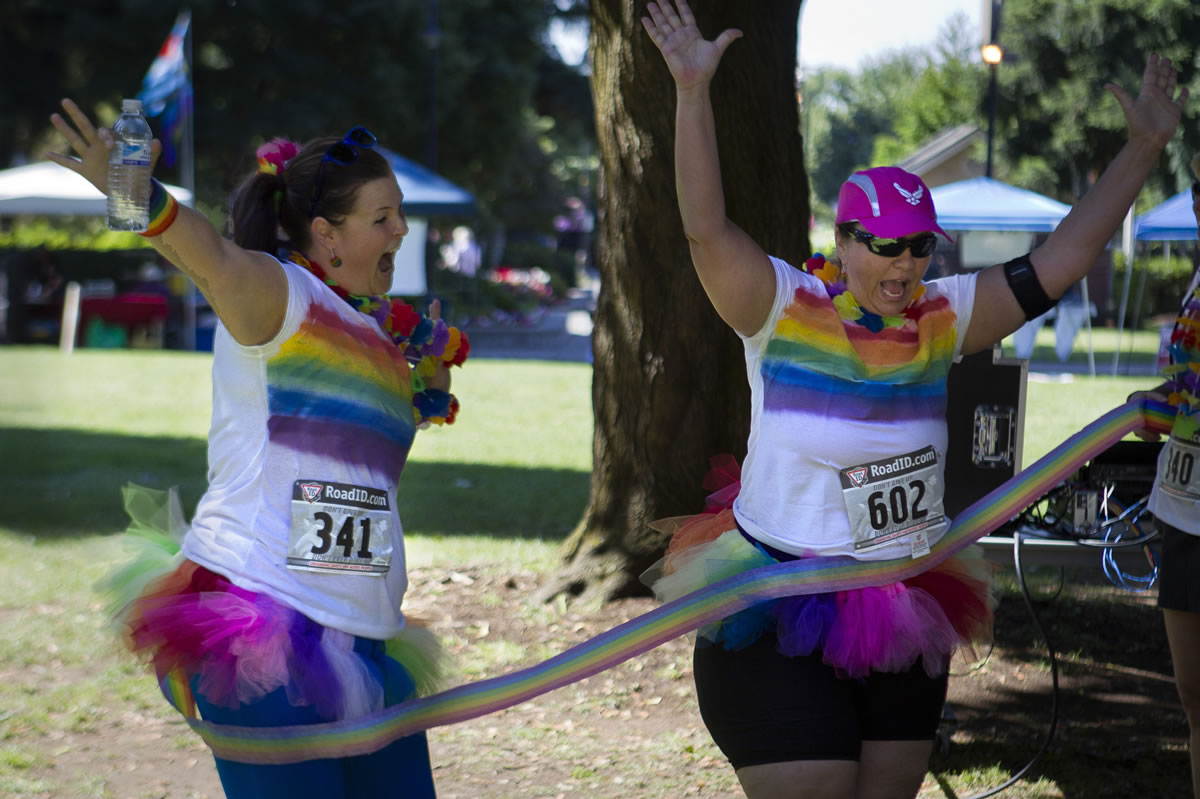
(985, 417)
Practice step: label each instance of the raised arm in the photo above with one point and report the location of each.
(736, 273)
(246, 289)
(1071, 250)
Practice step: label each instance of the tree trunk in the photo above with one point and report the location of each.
(669, 384)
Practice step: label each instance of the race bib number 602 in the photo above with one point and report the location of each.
(893, 498)
(340, 528)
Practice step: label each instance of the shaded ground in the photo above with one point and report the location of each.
(634, 731)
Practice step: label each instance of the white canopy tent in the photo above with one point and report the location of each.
(45, 188)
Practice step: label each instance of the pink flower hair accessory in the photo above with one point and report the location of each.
(275, 154)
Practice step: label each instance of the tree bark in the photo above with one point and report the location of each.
(669, 382)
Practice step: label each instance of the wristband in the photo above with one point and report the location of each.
(1026, 287)
(163, 210)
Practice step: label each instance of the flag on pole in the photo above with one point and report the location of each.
(167, 88)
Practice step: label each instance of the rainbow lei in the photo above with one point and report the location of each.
(1183, 371)
(847, 304)
(426, 343)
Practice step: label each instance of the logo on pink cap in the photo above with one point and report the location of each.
(888, 202)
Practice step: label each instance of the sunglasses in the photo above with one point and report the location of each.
(922, 245)
(340, 152)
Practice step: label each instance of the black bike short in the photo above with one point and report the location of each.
(1179, 570)
(763, 707)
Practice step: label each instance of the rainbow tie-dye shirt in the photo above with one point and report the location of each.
(833, 387)
(328, 399)
(1176, 495)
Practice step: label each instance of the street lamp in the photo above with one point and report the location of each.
(992, 56)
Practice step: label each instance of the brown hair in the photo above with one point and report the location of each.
(267, 209)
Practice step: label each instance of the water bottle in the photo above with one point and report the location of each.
(129, 170)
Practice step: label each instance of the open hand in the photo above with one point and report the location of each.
(691, 58)
(91, 143)
(1155, 113)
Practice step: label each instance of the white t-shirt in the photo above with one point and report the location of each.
(316, 421)
(829, 395)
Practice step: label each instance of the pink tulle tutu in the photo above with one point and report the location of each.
(238, 645)
(881, 628)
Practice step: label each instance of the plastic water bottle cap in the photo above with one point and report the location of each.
(131, 106)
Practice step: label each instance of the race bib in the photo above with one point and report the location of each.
(340, 528)
(892, 498)
(1178, 475)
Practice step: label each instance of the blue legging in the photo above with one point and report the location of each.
(400, 769)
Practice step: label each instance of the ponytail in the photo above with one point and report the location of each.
(254, 212)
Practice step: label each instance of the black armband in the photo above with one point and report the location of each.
(1026, 287)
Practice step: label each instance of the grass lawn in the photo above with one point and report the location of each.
(1137, 349)
(508, 473)
(507, 481)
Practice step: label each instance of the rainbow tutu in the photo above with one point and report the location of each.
(236, 646)
(880, 628)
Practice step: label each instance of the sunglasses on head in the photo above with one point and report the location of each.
(922, 244)
(340, 152)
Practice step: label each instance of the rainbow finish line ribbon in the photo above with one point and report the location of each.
(291, 744)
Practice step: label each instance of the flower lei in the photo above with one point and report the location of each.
(426, 344)
(847, 305)
(1183, 371)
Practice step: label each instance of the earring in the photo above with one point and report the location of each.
(334, 261)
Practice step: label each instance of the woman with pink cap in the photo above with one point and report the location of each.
(839, 695)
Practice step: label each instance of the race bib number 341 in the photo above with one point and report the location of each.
(894, 497)
(340, 528)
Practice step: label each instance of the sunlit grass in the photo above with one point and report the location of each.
(1056, 408)
(1135, 350)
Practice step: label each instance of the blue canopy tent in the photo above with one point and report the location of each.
(978, 205)
(1172, 220)
(426, 194)
(988, 204)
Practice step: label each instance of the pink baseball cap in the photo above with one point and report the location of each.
(888, 202)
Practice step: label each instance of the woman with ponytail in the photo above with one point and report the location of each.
(279, 604)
